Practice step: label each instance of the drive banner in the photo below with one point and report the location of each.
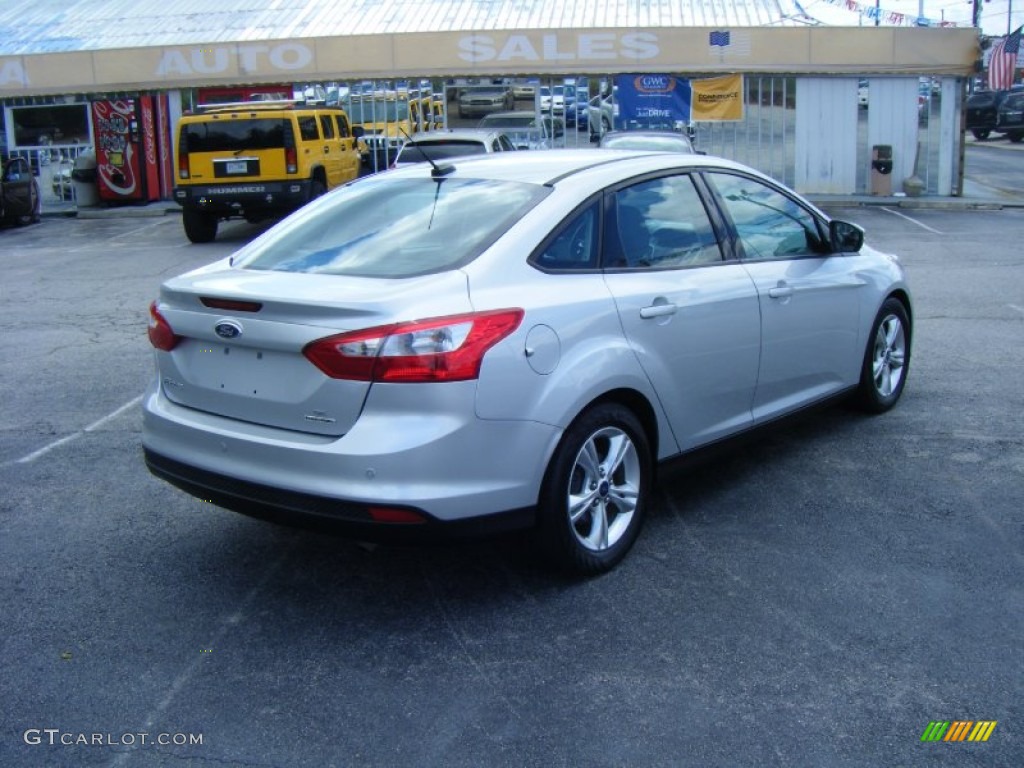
(652, 101)
(717, 98)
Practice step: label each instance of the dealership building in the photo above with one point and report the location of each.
(815, 102)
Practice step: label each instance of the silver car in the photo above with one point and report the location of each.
(513, 340)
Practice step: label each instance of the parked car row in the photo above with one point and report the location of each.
(989, 112)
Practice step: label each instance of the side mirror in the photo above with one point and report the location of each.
(845, 237)
(358, 131)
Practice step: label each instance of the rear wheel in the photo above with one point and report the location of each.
(980, 133)
(199, 227)
(594, 496)
(1016, 138)
(886, 360)
(316, 189)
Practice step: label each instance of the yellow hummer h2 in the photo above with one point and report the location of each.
(256, 160)
(388, 118)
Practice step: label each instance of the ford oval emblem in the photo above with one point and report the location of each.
(228, 329)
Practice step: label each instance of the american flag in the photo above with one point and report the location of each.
(718, 38)
(724, 42)
(1002, 65)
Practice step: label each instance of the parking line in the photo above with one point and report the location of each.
(911, 220)
(92, 427)
(1014, 306)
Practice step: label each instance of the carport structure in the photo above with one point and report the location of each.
(801, 124)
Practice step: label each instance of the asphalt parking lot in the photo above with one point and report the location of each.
(816, 597)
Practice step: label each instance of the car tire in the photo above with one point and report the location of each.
(886, 359)
(317, 189)
(980, 133)
(594, 496)
(199, 227)
(1016, 138)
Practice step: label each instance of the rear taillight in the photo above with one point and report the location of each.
(183, 169)
(161, 335)
(439, 349)
(291, 156)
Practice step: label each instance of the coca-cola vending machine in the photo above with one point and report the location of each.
(128, 151)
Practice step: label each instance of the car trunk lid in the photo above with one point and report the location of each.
(242, 334)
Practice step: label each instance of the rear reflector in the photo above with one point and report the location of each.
(391, 515)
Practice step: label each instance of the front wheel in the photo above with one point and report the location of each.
(980, 133)
(886, 360)
(594, 495)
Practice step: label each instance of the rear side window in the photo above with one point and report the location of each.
(393, 227)
(234, 135)
(307, 128)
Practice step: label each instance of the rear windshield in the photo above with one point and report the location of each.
(234, 135)
(510, 121)
(383, 227)
(440, 150)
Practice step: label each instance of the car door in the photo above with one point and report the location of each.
(350, 154)
(809, 297)
(332, 151)
(690, 314)
(19, 195)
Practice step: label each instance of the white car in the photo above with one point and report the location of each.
(552, 98)
(525, 128)
(513, 340)
(441, 145)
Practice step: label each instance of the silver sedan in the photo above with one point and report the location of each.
(513, 340)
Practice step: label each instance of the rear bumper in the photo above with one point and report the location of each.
(305, 510)
(240, 198)
(456, 472)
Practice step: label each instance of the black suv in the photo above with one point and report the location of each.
(1010, 116)
(983, 111)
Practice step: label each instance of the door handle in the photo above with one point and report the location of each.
(327, 150)
(658, 310)
(780, 292)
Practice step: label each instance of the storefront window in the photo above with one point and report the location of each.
(46, 125)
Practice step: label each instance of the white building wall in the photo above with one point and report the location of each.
(826, 135)
(893, 120)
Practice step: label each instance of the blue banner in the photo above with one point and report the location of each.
(652, 101)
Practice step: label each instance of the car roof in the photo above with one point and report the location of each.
(552, 165)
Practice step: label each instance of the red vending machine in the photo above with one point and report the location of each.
(127, 150)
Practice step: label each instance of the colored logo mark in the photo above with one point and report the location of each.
(959, 730)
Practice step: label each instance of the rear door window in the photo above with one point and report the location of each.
(660, 224)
